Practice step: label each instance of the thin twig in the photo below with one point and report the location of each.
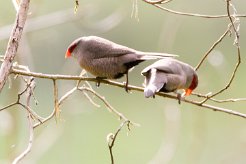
(219, 101)
(8, 106)
(232, 24)
(31, 136)
(88, 85)
(228, 100)
(109, 107)
(62, 99)
(158, 1)
(29, 87)
(228, 4)
(90, 100)
(56, 105)
(30, 124)
(230, 81)
(111, 138)
(212, 47)
(219, 109)
(191, 14)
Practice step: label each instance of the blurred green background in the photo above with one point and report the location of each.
(169, 133)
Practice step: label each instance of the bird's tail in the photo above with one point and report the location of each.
(150, 91)
(154, 55)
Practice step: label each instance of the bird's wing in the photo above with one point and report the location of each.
(161, 66)
(174, 82)
(168, 65)
(105, 48)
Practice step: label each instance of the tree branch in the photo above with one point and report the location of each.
(13, 42)
(122, 85)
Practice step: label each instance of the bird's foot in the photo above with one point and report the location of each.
(126, 86)
(98, 82)
(126, 83)
(179, 98)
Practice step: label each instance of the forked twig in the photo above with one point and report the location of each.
(30, 122)
(111, 138)
(62, 99)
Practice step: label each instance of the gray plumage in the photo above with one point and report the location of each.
(106, 59)
(169, 75)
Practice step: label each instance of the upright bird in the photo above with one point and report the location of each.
(106, 59)
(169, 75)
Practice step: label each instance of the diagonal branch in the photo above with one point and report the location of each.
(213, 47)
(13, 42)
(236, 42)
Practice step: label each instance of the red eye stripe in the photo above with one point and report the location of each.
(194, 83)
(70, 50)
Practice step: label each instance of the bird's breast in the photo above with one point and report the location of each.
(104, 67)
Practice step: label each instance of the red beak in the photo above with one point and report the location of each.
(188, 92)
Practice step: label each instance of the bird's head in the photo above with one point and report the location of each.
(72, 47)
(193, 85)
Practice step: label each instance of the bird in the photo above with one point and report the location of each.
(169, 75)
(106, 59)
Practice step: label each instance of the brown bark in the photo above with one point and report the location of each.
(13, 42)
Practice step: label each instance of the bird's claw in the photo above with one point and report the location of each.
(179, 96)
(98, 82)
(126, 86)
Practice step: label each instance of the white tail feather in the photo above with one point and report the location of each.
(154, 55)
(150, 91)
